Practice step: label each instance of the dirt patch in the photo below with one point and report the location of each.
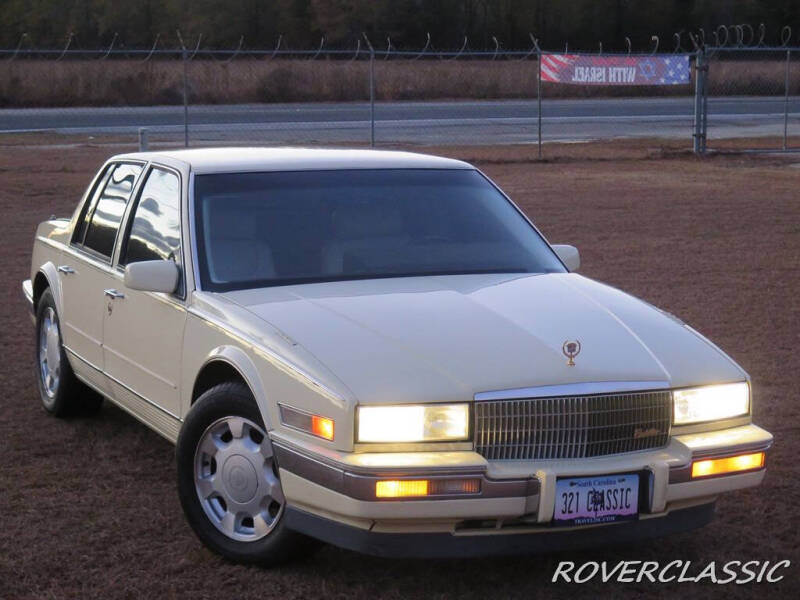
(89, 506)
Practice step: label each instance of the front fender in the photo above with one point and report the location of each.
(241, 362)
(50, 273)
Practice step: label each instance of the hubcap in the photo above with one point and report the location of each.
(236, 479)
(49, 352)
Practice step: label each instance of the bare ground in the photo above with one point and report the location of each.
(88, 506)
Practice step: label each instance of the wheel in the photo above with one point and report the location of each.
(61, 392)
(228, 480)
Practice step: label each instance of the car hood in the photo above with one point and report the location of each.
(432, 339)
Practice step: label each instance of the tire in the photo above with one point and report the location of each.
(228, 480)
(60, 391)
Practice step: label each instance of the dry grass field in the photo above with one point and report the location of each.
(32, 83)
(88, 506)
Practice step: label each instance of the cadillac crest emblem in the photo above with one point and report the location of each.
(571, 349)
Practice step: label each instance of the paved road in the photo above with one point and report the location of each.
(510, 121)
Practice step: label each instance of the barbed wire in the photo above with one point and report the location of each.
(733, 36)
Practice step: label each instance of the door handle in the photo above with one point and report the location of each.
(111, 293)
(66, 269)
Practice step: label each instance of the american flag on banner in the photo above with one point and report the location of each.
(583, 69)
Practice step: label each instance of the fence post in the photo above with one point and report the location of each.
(539, 97)
(143, 145)
(371, 90)
(700, 105)
(184, 60)
(704, 132)
(371, 97)
(786, 101)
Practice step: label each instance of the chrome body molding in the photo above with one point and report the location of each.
(143, 399)
(572, 389)
(360, 483)
(191, 236)
(89, 364)
(127, 388)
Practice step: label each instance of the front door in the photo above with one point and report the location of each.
(143, 331)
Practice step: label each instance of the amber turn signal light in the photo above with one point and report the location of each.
(313, 424)
(410, 488)
(322, 426)
(402, 488)
(731, 464)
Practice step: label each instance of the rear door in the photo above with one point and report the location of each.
(143, 331)
(85, 268)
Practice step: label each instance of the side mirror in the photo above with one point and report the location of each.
(152, 276)
(569, 255)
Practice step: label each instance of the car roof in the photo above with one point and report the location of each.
(231, 160)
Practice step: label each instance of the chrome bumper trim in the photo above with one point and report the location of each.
(361, 485)
(573, 389)
(27, 291)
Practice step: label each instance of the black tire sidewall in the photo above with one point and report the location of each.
(59, 405)
(226, 400)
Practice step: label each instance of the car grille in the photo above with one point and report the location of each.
(572, 426)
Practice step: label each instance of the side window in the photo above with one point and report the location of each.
(88, 207)
(107, 212)
(155, 230)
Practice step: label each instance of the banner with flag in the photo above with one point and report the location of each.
(586, 69)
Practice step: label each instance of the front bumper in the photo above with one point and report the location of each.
(519, 541)
(27, 293)
(328, 491)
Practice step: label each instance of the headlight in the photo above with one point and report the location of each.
(711, 403)
(413, 423)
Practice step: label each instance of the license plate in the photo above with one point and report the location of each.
(603, 499)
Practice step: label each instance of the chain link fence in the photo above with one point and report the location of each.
(386, 98)
(754, 94)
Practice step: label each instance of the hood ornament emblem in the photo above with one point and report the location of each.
(571, 349)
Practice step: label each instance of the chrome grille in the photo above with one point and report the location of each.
(572, 426)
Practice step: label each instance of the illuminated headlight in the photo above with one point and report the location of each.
(413, 423)
(711, 403)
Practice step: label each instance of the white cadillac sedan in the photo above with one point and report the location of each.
(380, 351)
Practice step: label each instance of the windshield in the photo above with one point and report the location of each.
(281, 228)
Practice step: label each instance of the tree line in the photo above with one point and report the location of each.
(580, 23)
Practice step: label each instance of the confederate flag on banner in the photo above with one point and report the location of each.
(583, 69)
